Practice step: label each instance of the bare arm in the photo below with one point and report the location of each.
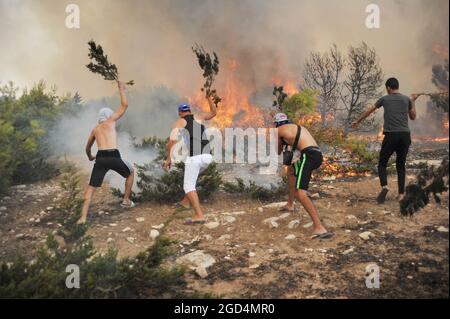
(208, 115)
(172, 141)
(365, 115)
(123, 103)
(412, 110)
(89, 144)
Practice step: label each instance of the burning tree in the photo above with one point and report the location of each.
(101, 65)
(322, 72)
(362, 84)
(210, 67)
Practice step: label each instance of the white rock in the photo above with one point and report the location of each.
(254, 266)
(284, 216)
(315, 195)
(224, 237)
(294, 224)
(251, 254)
(238, 213)
(50, 208)
(109, 240)
(270, 219)
(126, 229)
(20, 236)
(212, 225)
(260, 209)
(290, 237)
(2, 208)
(442, 229)
(229, 219)
(113, 224)
(308, 225)
(366, 235)
(158, 226)
(201, 271)
(348, 251)
(351, 217)
(275, 205)
(154, 234)
(140, 219)
(31, 219)
(131, 239)
(369, 213)
(197, 259)
(273, 224)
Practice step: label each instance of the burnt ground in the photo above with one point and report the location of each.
(254, 260)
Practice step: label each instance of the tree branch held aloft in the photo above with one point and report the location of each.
(101, 65)
(210, 66)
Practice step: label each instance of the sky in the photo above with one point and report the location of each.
(150, 41)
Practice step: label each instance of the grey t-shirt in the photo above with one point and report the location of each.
(396, 109)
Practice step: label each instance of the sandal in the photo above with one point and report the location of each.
(192, 222)
(322, 236)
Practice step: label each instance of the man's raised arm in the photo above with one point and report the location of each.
(208, 115)
(123, 102)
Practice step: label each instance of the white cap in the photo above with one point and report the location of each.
(280, 117)
(104, 114)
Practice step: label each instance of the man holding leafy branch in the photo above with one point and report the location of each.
(192, 132)
(108, 156)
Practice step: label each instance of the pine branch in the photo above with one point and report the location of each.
(280, 96)
(99, 63)
(210, 67)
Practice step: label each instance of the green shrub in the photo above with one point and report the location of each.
(256, 191)
(169, 186)
(101, 275)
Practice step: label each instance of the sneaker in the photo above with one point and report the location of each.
(382, 196)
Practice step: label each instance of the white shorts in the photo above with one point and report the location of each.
(192, 167)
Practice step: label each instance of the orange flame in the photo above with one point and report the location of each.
(440, 50)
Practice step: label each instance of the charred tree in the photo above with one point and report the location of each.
(430, 180)
(322, 73)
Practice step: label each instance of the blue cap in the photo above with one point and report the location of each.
(184, 108)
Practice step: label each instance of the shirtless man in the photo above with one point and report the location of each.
(190, 127)
(310, 159)
(108, 156)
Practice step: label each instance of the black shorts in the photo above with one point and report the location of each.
(310, 159)
(106, 160)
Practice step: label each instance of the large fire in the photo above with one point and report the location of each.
(235, 109)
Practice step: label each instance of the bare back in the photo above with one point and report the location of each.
(288, 132)
(105, 135)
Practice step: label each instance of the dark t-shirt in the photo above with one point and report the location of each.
(396, 111)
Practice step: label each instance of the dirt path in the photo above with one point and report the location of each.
(255, 260)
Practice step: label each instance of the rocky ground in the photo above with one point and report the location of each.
(248, 249)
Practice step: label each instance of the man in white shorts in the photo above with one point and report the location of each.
(192, 130)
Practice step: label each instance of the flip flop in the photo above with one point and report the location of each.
(285, 209)
(130, 205)
(323, 235)
(180, 208)
(194, 222)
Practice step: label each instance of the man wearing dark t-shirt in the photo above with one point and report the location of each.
(397, 136)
